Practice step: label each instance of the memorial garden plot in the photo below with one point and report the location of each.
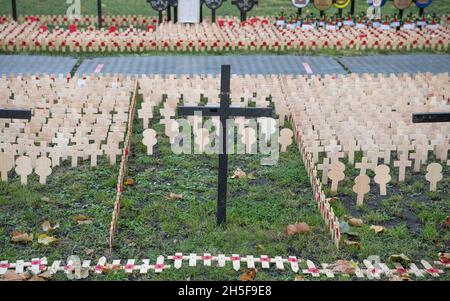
(228, 35)
(340, 170)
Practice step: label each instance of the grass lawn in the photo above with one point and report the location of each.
(258, 212)
(140, 7)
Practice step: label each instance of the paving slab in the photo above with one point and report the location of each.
(264, 64)
(397, 63)
(36, 64)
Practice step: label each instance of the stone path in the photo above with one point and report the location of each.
(248, 64)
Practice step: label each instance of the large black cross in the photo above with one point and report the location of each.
(15, 114)
(224, 111)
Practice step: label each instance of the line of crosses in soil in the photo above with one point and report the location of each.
(224, 111)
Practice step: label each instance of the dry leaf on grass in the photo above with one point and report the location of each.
(36, 278)
(47, 227)
(299, 278)
(355, 222)
(400, 258)
(82, 219)
(89, 251)
(46, 240)
(251, 176)
(174, 197)
(129, 182)
(238, 173)
(297, 228)
(352, 243)
(377, 229)
(249, 275)
(343, 267)
(21, 237)
(447, 221)
(13, 276)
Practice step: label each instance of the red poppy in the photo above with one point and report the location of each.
(103, 44)
(89, 44)
(10, 43)
(50, 43)
(24, 43)
(190, 44)
(165, 44)
(141, 45)
(77, 44)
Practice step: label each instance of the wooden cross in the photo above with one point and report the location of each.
(224, 111)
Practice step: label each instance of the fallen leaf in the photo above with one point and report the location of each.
(251, 176)
(82, 219)
(352, 243)
(447, 221)
(332, 199)
(356, 222)
(89, 251)
(238, 173)
(261, 247)
(249, 275)
(13, 276)
(395, 277)
(401, 258)
(36, 278)
(377, 229)
(297, 228)
(173, 196)
(345, 228)
(46, 275)
(47, 227)
(46, 240)
(299, 278)
(343, 267)
(129, 182)
(21, 237)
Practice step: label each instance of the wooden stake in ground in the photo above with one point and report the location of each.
(361, 187)
(336, 174)
(149, 140)
(23, 168)
(402, 164)
(324, 167)
(6, 164)
(285, 139)
(382, 177)
(434, 175)
(43, 169)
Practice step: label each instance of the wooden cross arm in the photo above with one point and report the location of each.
(15, 114)
(231, 111)
(430, 117)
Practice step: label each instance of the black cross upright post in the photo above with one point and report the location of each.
(225, 111)
(14, 10)
(352, 7)
(15, 114)
(99, 13)
(430, 117)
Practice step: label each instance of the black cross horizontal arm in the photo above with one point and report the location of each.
(232, 111)
(430, 117)
(15, 114)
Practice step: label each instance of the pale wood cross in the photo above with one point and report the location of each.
(402, 163)
(364, 165)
